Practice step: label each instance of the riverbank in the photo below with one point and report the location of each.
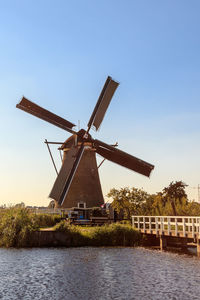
(75, 236)
(20, 228)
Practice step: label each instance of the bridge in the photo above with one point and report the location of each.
(171, 230)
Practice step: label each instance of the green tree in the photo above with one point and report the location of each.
(121, 200)
(175, 195)
(132, 201)
(20, 205)
(172, 201)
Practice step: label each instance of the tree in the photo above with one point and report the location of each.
(132, 201)
(176, 190)
(51, 204)
(172, 201)
(121, 200)
(175, 194)
(20, 205)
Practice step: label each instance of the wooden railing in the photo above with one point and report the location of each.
(180, 226)
(57, 211)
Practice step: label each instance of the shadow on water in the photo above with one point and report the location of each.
(190, 251)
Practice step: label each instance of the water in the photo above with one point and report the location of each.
(97, 274)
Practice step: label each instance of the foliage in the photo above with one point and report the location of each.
(51, 204)
(176, 195)
(114, 235)
(107, 235)
(171, 201)
(45, 220)
(132, 201)
(96, 212)
(73, 232)
(16, 224)
(175, 190)
(20, 205)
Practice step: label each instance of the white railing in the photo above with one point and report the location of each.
(58, 211)
(168, 225)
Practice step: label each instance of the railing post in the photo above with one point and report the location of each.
(192, 227)
(138, 223)
(133, 221)
(156, 220)
(184, 227)
(144, 225)
(176, 227)
(198, 247)
(168, 225)
(150, 224)
(189, 227)
(162, 225)
(163, 242)
(198, 226)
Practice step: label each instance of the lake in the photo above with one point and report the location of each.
(98, 273)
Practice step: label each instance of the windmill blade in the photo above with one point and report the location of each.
(122, 158)
(44, 114)
(103, 102)
(66, 174)
(63, 174)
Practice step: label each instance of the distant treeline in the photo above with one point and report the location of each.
(171, 201)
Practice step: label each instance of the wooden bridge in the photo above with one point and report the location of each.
(177, 230)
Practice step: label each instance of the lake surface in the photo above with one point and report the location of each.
(97, 273)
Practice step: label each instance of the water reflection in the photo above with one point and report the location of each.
(98, 273)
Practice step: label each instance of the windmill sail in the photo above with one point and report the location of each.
(63, 175)
(66, 174)
(122, 158)
(44, 114)
(103, 102)
(71, 174)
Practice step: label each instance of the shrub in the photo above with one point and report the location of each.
(16, 224)
(114, 235)
(77, 239)
(107, 235)
(44, 220)
(96, 212)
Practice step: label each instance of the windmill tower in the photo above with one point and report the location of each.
(85, 189)
(78, 179)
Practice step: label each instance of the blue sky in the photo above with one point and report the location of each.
(59, 53)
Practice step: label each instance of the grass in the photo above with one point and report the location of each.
(106, 235)
(16, 224)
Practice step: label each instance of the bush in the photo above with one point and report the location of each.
(16, 224)
(107, 235)
(96, 212)
(77, 239)
(114, 235)
(44, 220)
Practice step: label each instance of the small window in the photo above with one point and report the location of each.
(81, 205)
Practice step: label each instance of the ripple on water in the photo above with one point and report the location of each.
(97, 273)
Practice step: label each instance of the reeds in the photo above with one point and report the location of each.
(16, 225)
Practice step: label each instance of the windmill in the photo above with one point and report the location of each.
(78, 179)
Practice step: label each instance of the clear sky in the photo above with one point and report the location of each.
(59, 53)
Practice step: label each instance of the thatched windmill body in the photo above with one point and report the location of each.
(78, 179)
